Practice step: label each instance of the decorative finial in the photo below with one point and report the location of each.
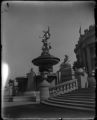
(80, 30)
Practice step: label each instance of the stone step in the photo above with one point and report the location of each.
(89, 94)
(24, 98)
(71, 103)
(74, 101)
(30, 93)
(78, 94)
(20, 98)
(68, 106)
(83, 99)
(75, 94)
(82, 92)
(75, 98)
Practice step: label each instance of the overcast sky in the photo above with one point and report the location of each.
(23, 23)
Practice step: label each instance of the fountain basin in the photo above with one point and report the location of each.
(45, 60)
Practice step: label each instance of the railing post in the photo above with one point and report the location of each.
(76, 84)
(73, 85)
(70, 86)
(64, 88)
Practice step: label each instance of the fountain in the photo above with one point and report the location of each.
(45, 63)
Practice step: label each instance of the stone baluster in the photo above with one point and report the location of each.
(50, 92)
(58, 91)
(53, 92)
(64, 89)
(73, 85)
(61, 90)
(67, 88)
(70, 86)
(76, 84)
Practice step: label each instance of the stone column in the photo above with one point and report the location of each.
(84, 58)
(89, 60)
(44, 90)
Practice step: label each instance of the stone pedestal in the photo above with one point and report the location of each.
(44, 90)
(92, 82)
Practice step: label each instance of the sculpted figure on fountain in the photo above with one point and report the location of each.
(46, 46)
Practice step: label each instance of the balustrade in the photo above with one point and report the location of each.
(62, 88)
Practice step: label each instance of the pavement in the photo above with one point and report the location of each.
(17, 103)
(38, 110)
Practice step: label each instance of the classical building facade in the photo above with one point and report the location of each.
(85, 49)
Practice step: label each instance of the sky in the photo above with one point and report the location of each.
(24, 22)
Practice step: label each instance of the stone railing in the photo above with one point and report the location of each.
(63, 88)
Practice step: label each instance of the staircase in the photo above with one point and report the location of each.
(83, 99)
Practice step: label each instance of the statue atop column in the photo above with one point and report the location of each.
(46, 46)
(66, 59)
(65, 63)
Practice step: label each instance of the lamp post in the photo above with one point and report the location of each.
(10, 90)
(16, 87)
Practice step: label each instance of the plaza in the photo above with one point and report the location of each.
(68, 92)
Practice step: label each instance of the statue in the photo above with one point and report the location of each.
(46, 34)
(65, 62)
(46, 46)
(66, 58)
(31, 70)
